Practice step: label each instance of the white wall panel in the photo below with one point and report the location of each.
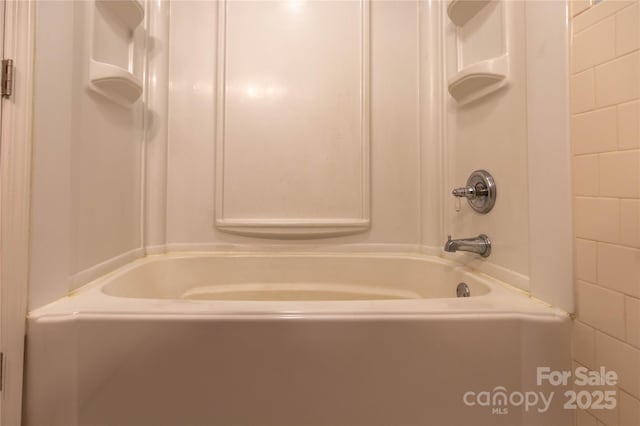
(293, 117)
(394, 132)
(491, 134)
(86, 200)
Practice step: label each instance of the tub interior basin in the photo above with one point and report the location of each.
(280, 277)
(297, 291)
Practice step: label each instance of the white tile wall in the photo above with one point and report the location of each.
(584, 344)
(629, 125)
(594, 131)
(594, 45)
(617, 81)
(597, 218)
(605, 88)
(586, 256)
(619, 268)
(591, 298)
(629, 410)
(583, 91)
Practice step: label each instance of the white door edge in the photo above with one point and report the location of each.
(15, 183)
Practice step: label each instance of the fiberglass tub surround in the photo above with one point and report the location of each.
(281, 283)
(288, 339)
(269, 248)
(243, 277)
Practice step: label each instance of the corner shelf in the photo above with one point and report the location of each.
(130, 12)
(482, 44)
(114, 34)
(479, 79)
(115, 83)
(460, 11)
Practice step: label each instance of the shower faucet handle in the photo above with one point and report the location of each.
(464, 191)
(480, 191)
(471, 191)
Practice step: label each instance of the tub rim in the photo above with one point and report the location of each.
(501, 300)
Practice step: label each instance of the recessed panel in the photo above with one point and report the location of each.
(292, 142)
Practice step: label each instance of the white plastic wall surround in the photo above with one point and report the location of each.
(130, 12)
(156, 149)
(481, 78)
(117, 84)
(395, 148)
(495, 123)
(549, 156)
(286, 225)
(460, 11)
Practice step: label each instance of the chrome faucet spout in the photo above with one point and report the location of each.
(480, 245)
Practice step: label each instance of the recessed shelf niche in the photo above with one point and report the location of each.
(292, 149)
(460, 11)
(114, 68)
(482, 53)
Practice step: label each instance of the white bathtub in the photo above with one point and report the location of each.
(252, 339)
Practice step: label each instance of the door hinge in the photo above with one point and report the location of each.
(1, 371)
(7, 77)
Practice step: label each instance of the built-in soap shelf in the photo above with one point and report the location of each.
(114, 82)
(478, 79)
(130, 12)
(111, 80)
(460, 11)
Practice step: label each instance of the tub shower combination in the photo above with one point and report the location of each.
(296, 121)
(289, 339)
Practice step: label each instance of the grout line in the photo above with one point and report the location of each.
(624, 318)
(604, 63)
(602, 18)
(618, 245)
(606, 197)
(620, 390)
(592, 110)
(630, 346)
